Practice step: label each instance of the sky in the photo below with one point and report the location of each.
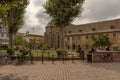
(94, 11)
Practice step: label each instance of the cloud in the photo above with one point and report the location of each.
(34, 29)
(38, 3)
(94, 11)
(42, 17)
(31, 20)
(99, 10)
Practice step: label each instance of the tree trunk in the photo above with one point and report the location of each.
(11, 41)
(61, 38)
(51, 38)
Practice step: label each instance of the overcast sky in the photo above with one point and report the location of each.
(94, 11)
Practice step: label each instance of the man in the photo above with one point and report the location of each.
(92, 50)
(80, 51)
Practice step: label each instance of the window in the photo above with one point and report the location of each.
(69, 32)
(79, 37)
(72, 38)
(68, 47)
(112, 27)
(65, 32)
(93, 29)
(68, 38)
(80, 30)
(2, 34)
(114, 35)
(107, 34)
(73, 46)
(86, 36)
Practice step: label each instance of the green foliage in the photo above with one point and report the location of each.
(19, 41)
(27, 44)
(7, 4)
(45, 47)
(2, 1)
(12, 14)
(59, 51)
(101, 41)
(62, 52)
(63, 12)
(85, 46)
(34, 42)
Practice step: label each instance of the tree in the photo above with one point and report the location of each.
(12, 16)
(101, 41)
(5, 1)
(19, 41)
(34, 42)
(45, 47)
(62, 13)
(7, 4)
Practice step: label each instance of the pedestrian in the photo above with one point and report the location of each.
(92, 50)
(80, 51)
(107, 48)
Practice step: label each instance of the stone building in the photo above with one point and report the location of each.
(4, 39)
(28, 37)
(38, 38)
(80, 35)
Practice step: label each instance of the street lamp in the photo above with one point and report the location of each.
(31, 57)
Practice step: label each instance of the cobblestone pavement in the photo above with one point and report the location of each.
(59, 71)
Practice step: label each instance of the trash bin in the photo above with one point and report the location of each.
(89, 57)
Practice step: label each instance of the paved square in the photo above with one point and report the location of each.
(59, 71)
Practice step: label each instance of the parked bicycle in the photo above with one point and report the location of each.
(4, 59)
(13, 59)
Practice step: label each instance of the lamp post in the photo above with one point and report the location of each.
(31, 57)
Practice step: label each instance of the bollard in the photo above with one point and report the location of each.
(42, 58)
(48, 56)
(53, 59)
(72, 58)
(63, 58)
(83, 57)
